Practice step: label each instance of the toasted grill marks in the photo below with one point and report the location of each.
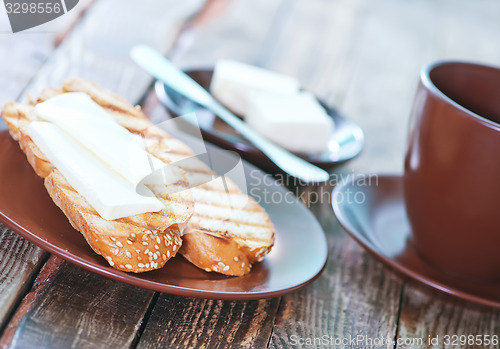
(228, 230)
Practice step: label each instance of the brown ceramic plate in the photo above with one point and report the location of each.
(299, 255)
(346, 140)
(379, 223)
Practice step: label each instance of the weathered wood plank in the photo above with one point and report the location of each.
(179, 322)
(19, 261)
(97, 49)
(355, 296)
(39, 285)
(426, 316)
(74, 309)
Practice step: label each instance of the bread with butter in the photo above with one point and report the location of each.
(218, 236)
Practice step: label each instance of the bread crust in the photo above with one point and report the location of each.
(132, 244)
(215, 253)
(215, 235)
(135, 250)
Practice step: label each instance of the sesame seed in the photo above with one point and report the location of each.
(158, 240)
(166, 243)
(119, 244)
(145, 243)
(243, 264)
(157, 247)
(128, 254)
(128, 266)
(121, 266)
(111, 263)
(208, 270)
(222, 265)
(147, 251)
(164, 257)
(138, 251)
(145, 237)
(236, 259)
(147, 265)
(155, 256)
(150, 253)
(132, 235)
(108, 258)
(169, 237)
(115, 251)
(226, 268)
(168, 253)
(129, 242)
(139, 258)
(112, 238)
(140, 265)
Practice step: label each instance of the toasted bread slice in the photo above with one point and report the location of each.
(224, 237)
(134, 244)
(221, 236)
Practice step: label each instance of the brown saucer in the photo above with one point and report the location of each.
(380, 225)
(27, 209)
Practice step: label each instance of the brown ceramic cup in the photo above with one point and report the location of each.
(452, 169)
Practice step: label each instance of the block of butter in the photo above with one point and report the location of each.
(111, 195)
(100, 159)
(295, 122)
(233, 81)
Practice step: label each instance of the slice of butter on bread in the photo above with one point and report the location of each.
(215, 234)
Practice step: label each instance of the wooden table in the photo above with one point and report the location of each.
(360, 56)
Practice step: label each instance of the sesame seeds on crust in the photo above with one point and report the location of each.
(141, 251)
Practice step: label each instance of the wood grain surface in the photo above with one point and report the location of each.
(71, 308)
(360, 56)
(19, 262)
(204, 323)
